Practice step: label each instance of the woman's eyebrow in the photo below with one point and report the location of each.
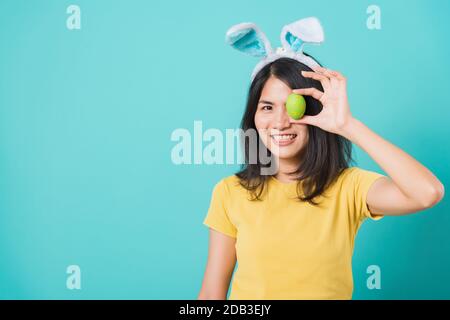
(265, 101)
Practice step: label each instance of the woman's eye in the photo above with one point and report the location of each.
(267, 107)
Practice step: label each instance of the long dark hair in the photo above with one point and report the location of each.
(325, 155)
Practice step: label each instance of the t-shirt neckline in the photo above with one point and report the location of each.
(286, 184)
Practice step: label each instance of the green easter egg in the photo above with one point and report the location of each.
(295, 106)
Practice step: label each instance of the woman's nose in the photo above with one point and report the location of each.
(281, 119)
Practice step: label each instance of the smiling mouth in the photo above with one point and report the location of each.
(283, 137)
(282, 140)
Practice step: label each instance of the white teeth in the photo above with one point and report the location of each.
(283, 137)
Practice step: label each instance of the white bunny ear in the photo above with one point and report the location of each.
(294, 35)
(248, 38)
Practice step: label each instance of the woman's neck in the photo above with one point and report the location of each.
(284, 168)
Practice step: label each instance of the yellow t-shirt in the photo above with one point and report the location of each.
(288, 249)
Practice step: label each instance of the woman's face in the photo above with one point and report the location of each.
(283, 139)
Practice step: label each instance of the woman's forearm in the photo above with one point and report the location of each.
(410, 176)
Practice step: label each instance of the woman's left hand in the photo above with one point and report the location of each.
(335, 114)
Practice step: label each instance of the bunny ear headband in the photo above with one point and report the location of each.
(248, 38)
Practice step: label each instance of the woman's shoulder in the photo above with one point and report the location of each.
(356, 175)
(358, 171)
(230, 182)
(228, 187)
(348, 172)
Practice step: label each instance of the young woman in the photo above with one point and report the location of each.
(292, 234)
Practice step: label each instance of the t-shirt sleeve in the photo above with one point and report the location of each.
(217, 216)
(362, 180)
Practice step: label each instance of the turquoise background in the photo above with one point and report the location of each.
(86, 118)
